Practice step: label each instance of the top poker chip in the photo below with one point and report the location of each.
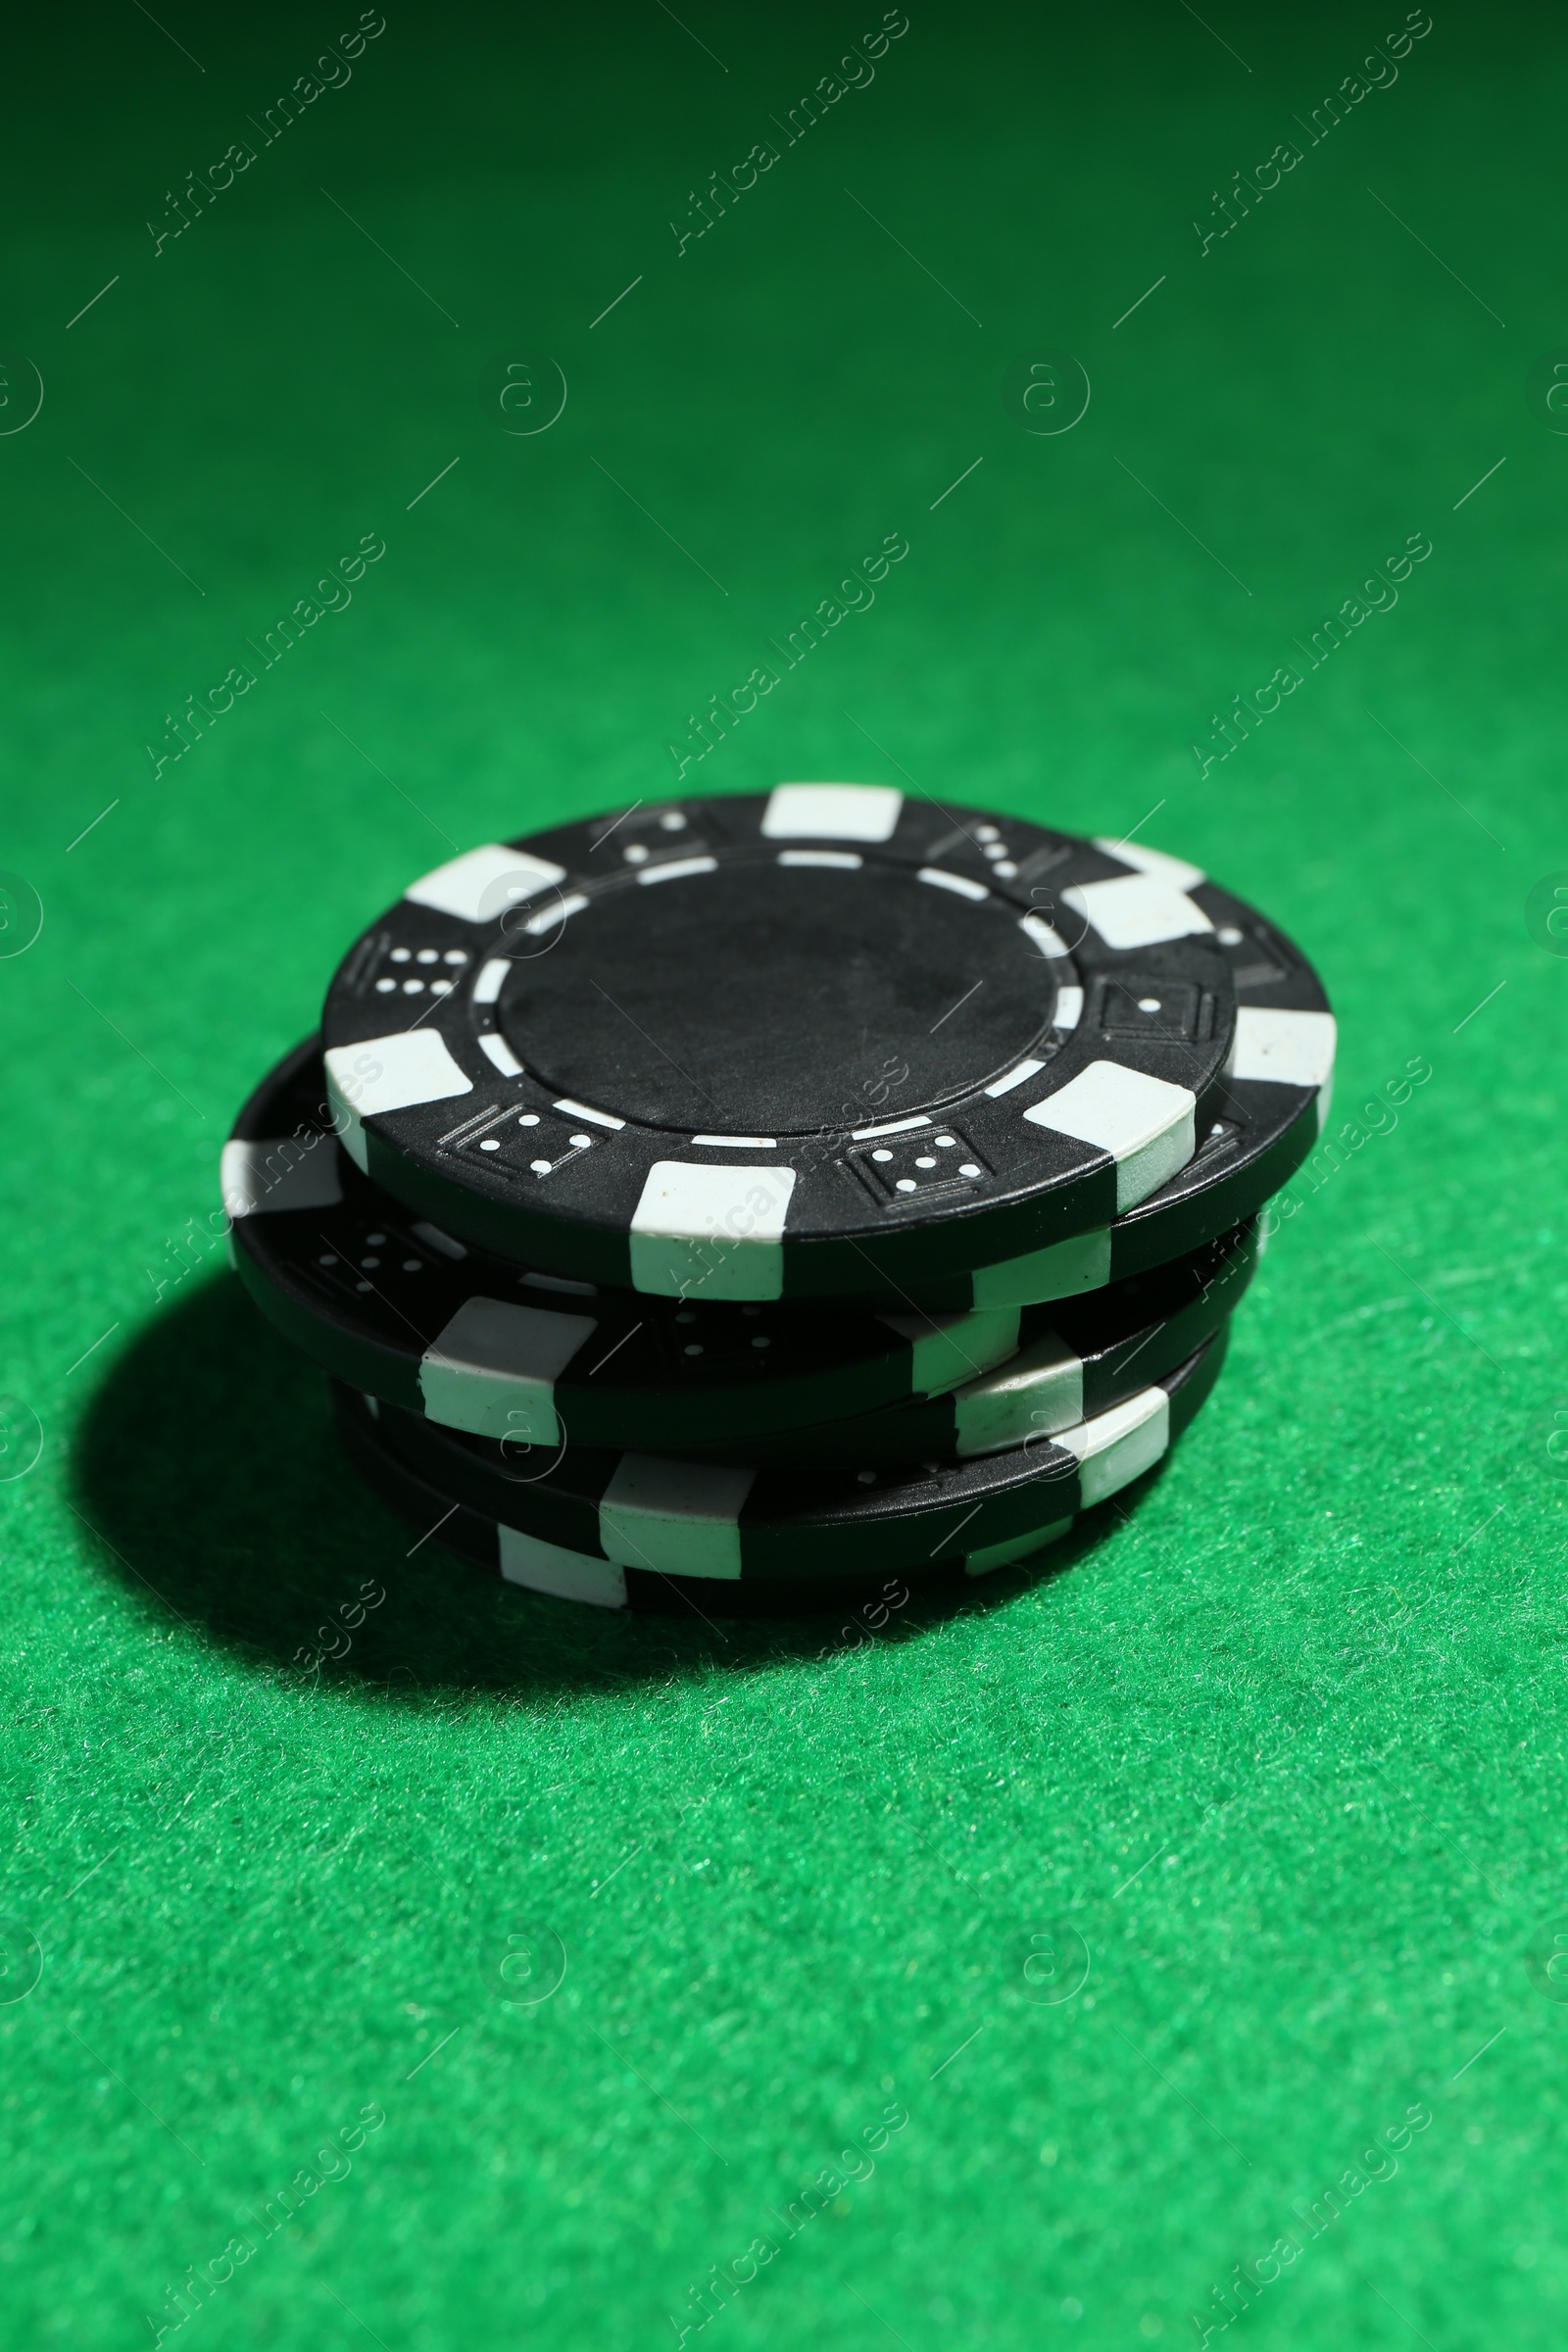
(812, 1043)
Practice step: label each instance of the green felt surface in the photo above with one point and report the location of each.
(1282, 1745)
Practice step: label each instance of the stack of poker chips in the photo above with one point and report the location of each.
(747, 1200)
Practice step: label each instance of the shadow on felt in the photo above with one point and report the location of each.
(208, 1472)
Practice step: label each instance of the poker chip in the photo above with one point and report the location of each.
(576, 1577)
(392, 1304)
(825, 1041)
(795, 1523)
(1076, 1359)
(564, 1575)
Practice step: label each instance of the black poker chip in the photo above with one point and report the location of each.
(537, 1566)
(824, 1041)
(394, 1306)
(1076, 1359)
(794, 1524)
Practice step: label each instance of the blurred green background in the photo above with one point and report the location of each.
(1278, 1753)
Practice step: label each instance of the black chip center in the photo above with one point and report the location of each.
(765, 999)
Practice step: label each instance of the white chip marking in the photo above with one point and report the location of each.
(496, 1050)
(680, 1518)
(841, 858)
(1014, 1077)
(1118, 1446)
(945, 1349)
(1049, 942)
(832, 812)
(1174, 871)
(1062, 1270)
(677, 868)
(1016, 1547)
(1146, 1124)
(1037, 1393)
(487, 987)
(492, 1370)
(858, 1135)
(580, 1111)
(738, 1142)
(383, 1074)
(1294, 1049)
(713, 1232)
(1137, 910)
(482, 883)
(1069, 1007)
(538, 924)
(279, 1173)
(567, 1575)
(959, 884)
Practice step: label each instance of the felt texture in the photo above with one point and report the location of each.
(1274, 1746)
